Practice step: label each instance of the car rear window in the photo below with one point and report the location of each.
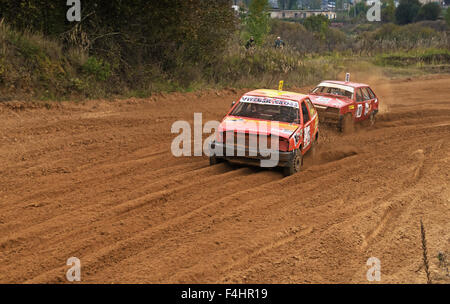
(372, 95)
(311, 108)
(366, 94)
(333, 91)
(305, 113)
(359, 96)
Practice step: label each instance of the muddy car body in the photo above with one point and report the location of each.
(344, 103)
(264, 122)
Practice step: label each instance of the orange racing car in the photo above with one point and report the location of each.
(268, 128)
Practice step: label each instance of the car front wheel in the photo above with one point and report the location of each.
(213, 159)
(294, 165)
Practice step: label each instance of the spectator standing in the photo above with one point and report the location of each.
(250, 43)
(279, 44)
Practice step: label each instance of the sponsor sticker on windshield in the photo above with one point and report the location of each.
(270, 101)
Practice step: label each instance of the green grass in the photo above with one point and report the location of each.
(416, 58)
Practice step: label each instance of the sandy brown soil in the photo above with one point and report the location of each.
(97, 181)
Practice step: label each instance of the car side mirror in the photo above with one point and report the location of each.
(233, 103)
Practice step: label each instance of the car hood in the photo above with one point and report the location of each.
(330, 101)
(257, 126)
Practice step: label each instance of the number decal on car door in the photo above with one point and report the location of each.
(367, 108)
(359, 110)
(307, 136)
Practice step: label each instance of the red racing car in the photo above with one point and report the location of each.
(269, 128)
(344, 103)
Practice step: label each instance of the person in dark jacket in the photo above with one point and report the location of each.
(250, 43)
(279, 44)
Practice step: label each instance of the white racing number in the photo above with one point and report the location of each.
(359, 110)
(366, 108)
(307, 136)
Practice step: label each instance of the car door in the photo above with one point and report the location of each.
(307, 126)
(369, 102)
(314, 118)
(360, 105)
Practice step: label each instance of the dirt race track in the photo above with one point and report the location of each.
(97, 181)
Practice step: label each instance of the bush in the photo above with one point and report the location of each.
(31, 64)
(321, 38)
(257, 22)
(447, 15)
(295, 36)
(264, 67)
(359, 11)
(388, 11)
(166, 34)
(407, 11)
(390, 37)
(317, 24)
(429, 11)
(98, 68)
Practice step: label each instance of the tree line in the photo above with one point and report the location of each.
(167, 33)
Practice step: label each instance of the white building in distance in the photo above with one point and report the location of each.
(300, 14)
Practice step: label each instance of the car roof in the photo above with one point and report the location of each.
(277, 94)
(350, 84)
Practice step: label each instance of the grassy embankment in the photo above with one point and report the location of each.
(34, 67)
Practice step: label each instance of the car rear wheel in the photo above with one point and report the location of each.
(371, 119)
(294, 165)
(347, 124)
(314, 146)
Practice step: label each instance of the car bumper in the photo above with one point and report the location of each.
(334, 117)
(329, 115)
(246, 155)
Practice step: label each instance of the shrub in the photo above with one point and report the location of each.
(447, 15)
(98, 68)
(257, 22)
(388, 11)
(407, 11)
(31, 64)
(390, 37)
(318, 24)
(264, 67)
(359, 11)
(318, 39)
(295, 36)
(429, 11)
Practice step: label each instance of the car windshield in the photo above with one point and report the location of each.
(267, 112)
(333, 90)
